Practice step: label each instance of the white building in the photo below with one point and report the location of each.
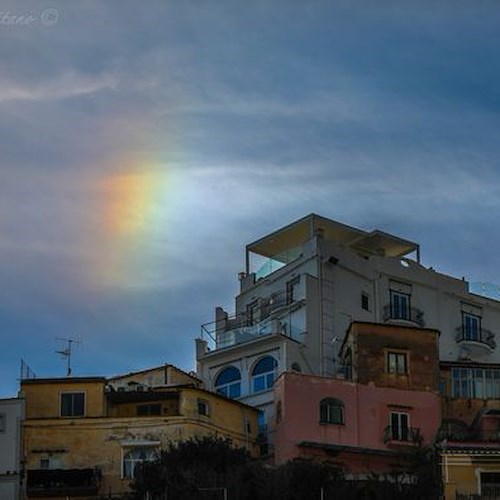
(303, 285)
(11, 414)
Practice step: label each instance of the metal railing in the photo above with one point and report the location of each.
(247, 333)
(488, 492)
(409, 435)
(482, 336)
(407, 314)
(241, 328)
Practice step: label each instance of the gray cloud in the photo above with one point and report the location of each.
(381, 116)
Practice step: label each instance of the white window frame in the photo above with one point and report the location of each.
(225, 389)
(469, 332)
(396, 297)
(128, 446)
(397, 355)
(400, 427)
(333, 407)
(265, 376)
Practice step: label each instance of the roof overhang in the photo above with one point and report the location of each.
(365, 243)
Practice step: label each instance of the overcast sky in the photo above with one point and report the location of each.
(143, 144)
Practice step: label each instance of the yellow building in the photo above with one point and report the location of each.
(470, 457)
(85, 436)
(471, 471)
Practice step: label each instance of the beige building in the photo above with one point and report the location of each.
(85, 436)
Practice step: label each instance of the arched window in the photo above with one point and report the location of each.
(135, 456)
(264, 373)
(331, 411)
(228, 382)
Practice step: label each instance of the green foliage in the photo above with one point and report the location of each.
(201, 469)
(185, 467)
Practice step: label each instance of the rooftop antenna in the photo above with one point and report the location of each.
(66, 353)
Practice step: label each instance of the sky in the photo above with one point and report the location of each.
(144, 144)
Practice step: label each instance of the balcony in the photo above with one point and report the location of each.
(63, 482)
(476, 337)
(247, 333)
(277, 314)
(402, 435)
(235, 330)
(411, 314)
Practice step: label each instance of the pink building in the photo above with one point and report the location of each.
(372, 422)
(365, 428)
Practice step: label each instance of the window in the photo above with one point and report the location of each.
(135, 456)
(52, 462)
(490, 484)
(262, 438)
(471, 326)
(203, 407)
(253, 313)
(475, 383)
(331, 411)
(264, 373)
(72, 404)
(397, 362)
(400, 305)
(262, 421)
(346, 364)
(400, 429)
(365, 301)
(149, 410)
(228, 382)
(399, 426)
(3, 422)
(291, 290)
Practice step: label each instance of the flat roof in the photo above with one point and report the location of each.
(293, 235)
(63, 380)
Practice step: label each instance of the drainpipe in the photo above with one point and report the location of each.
(320, 275)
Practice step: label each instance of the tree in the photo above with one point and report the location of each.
(194, 469)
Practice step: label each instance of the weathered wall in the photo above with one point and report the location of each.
(366, 413)
(373, 342)
(43, 397)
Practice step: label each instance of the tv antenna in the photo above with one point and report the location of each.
(66, 353)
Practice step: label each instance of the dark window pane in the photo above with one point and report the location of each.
(73, 404)
(266, 364)
(229, 374)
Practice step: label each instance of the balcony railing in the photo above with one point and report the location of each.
(63, 482)
(481, 336)
(406, 314)
(246, 333)
(244, 327)
(404, 435)
(469, 492)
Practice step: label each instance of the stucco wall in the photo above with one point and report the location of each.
(366, 411)
(100, 442)
(43, 397)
